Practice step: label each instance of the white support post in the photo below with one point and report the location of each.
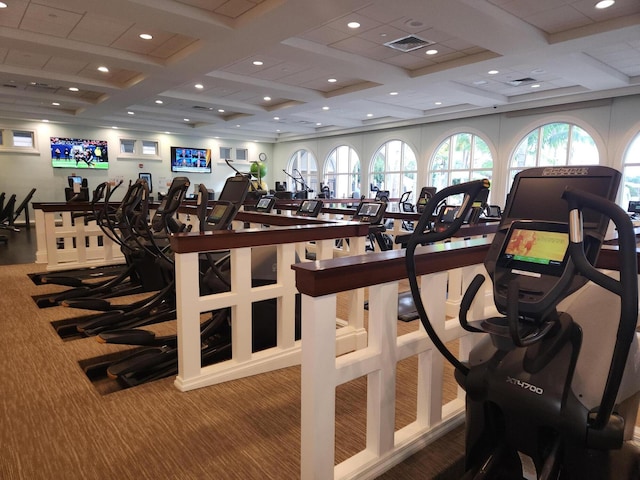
(287, 303)
(318, 378)
(432, 287)
(381, 383)
(41, 236)
(187, 295)
(241, 327)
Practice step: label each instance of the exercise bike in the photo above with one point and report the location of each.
(552, 388)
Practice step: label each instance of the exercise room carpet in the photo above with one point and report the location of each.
(57, 425)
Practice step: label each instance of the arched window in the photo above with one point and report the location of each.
(460, 158)
(554, 144)
(303, 167)
(631, 172)
(394, 168)
(342, 172)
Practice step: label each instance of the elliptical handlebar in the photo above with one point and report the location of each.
(626, 288)
(423, 234)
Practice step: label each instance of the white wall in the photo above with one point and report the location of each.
(612, 124)
(19, 172)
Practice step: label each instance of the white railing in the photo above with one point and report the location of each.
(349, 334)
(324, 369)
(64, 242)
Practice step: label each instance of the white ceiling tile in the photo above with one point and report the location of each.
(50, 21)
(99, 30)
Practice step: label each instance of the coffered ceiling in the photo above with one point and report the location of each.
(272, 70)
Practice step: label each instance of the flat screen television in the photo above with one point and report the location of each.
(79, 153)
(190, 160)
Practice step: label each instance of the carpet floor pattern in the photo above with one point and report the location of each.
(57, 425)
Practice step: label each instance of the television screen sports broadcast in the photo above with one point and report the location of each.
(190, 160)
(79, 153)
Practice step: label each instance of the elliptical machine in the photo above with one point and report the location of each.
(553, 389)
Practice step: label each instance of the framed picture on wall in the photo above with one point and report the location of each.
(147, 177)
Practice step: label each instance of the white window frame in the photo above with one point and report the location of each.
(630, 161)
(225, 153)
(7, 140)
(242, 154)
(405, 148)
(337, 179)
(469, 173)
(139, 149)
(305, 164)
(514, 169)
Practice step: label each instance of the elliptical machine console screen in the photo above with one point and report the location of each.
(265, 204)
(221, 215)
(370, 212)
(535, 249)
(309, 208)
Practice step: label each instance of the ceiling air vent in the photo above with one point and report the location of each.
(200, 107)
(408, 44)
(521, 81)
(10, 85)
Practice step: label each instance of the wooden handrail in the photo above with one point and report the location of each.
(341, 274)
(227, 239)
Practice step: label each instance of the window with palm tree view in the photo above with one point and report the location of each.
(394, 168)
(342, 172)
(631, 173)
(462, 157)
(554, 144)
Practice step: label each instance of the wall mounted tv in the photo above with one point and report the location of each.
(190, 160)
(79, 153)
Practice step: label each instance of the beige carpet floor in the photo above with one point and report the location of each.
(57, 425)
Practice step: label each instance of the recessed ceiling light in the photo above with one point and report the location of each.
(221, 110)
(44, 120)
(199, 86)
(3, 5)
(318, 124)
(353, 25)
(267, 99)
(276, 118)
(393, 93)
(237, 126)
(438, 103)
(186, 119)
(74, 89)
(55, 104)
(535, 85)
(432, 51)
(258, 63)
(130, 113)
(493, 72)
(167, 133)
(325, 108)
(605, 4)
(103, 69)
(145, 36)
(114, 127)
(159, 102)
(369, 114)
(332, 80)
